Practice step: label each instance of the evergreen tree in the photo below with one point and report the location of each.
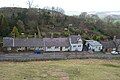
(4, 28)
(15, 32)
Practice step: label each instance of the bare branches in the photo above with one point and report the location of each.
(30, 3)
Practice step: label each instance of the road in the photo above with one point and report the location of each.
(54, 55)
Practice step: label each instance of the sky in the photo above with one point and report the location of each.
(71, 7)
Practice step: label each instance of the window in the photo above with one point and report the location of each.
(79, 45)
(40, 47)
(56, 47)
(74, 46)
(99, 48)
(66, 47)
(9, 48)
(48, 47)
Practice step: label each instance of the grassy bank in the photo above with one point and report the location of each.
(88, 69)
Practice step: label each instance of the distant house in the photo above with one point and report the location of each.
(75, 43)
(93, 45)
(56, 44)
(109, 46)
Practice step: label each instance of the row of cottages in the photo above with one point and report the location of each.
(71, 43)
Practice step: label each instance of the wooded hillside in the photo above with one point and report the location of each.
(34, 22)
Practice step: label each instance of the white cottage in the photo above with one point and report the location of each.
(56, 44)
(93, 45)
(75, 43)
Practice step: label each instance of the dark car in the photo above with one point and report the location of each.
(37, 51)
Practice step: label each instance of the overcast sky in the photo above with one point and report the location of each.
(70, 6)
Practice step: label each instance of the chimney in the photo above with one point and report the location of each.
(13, 42)
(114, 38)
(51, 35)
(35, 35)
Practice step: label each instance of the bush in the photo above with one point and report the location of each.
(66, 34)
(56, 34)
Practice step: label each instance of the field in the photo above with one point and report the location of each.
(85, 69)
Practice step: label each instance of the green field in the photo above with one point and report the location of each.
(86, 69)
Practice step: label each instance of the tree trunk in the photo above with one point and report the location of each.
(39, 34)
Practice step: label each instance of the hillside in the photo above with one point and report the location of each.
(23, 22)
(104, 14)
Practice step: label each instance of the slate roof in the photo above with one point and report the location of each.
(35, 42)
(7, 42)
(31, 42)
(74, 38)
(94, 43)
(58, 42)
(108, 44)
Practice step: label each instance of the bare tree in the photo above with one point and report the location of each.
(39, 33)
(30, 3)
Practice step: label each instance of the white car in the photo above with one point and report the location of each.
(114, 52)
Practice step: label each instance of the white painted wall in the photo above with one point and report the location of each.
(95, 48)
(9, 48)
(57, 49)
(65, 48)
(52, 49)
(76, 47)
(21, 49)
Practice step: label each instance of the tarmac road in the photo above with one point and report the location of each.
(54, 55)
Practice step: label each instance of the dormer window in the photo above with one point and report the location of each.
(56, 47)
(79, 41)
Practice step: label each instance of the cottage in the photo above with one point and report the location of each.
(56, 44)
(109, 46)
(93, 45)
(18, 44)
(75, 43)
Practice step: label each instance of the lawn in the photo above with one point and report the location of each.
(85, 69)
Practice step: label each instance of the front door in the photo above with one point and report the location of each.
(60, 48)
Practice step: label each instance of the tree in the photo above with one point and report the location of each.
(21, 26)
(30, 3)
(15, 32)
(39, 34)
(4, 28)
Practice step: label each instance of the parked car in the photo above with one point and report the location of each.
(114, 52)
(37, 51)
